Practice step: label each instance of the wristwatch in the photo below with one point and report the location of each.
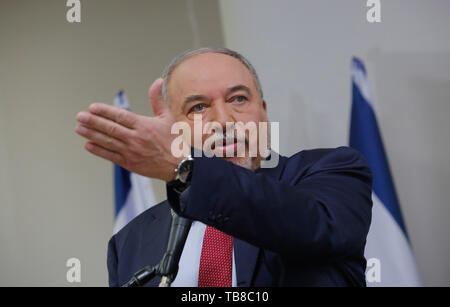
(184, 170)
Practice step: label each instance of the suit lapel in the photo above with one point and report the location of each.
(246, 257)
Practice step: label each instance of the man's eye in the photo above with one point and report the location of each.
(239, 99)
(197, 108)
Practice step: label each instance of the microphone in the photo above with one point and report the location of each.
(168, 267)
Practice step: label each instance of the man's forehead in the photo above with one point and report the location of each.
(209, 71)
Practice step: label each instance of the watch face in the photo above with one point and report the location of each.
(185, 170)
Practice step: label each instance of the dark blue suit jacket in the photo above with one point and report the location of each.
(302, 223)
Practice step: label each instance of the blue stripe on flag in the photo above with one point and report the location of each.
(133, 192)
(120, 94)
(122, 181)
(365, 137)
(122, 186)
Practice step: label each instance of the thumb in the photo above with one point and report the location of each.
(156, 97)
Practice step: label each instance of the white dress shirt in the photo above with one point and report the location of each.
(190, 258)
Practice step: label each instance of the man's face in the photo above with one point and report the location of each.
(222, 90)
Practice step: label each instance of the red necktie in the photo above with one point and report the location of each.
(216, 259)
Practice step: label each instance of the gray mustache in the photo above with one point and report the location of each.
(229, 138)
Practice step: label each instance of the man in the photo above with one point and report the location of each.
(302, 222)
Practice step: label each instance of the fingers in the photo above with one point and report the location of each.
(104, 153)
(156, 97)
(100, 138)
(106, 126)
(118, 115)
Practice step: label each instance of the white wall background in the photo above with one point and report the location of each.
(302, 52)
(56, 200)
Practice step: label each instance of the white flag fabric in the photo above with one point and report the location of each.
(387, 243)
(133, 193)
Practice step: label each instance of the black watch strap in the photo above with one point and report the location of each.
(178, 186)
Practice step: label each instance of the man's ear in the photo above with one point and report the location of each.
(264, 105)
(264, 112)
(156, 97)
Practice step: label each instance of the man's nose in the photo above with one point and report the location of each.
(223, 114)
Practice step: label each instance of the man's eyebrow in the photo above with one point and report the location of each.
(193, 98)
(236, 88)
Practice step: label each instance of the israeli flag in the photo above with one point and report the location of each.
(390, 261)
(133, 193)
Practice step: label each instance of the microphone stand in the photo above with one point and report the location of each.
(168, 266)
(142, 276)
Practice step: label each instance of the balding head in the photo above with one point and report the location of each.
(193, 52)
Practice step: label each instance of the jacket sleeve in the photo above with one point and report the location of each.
(112, 263)
(321, 213)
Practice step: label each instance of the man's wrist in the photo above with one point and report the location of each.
(183, 171)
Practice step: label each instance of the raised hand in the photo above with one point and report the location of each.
(138, 143)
